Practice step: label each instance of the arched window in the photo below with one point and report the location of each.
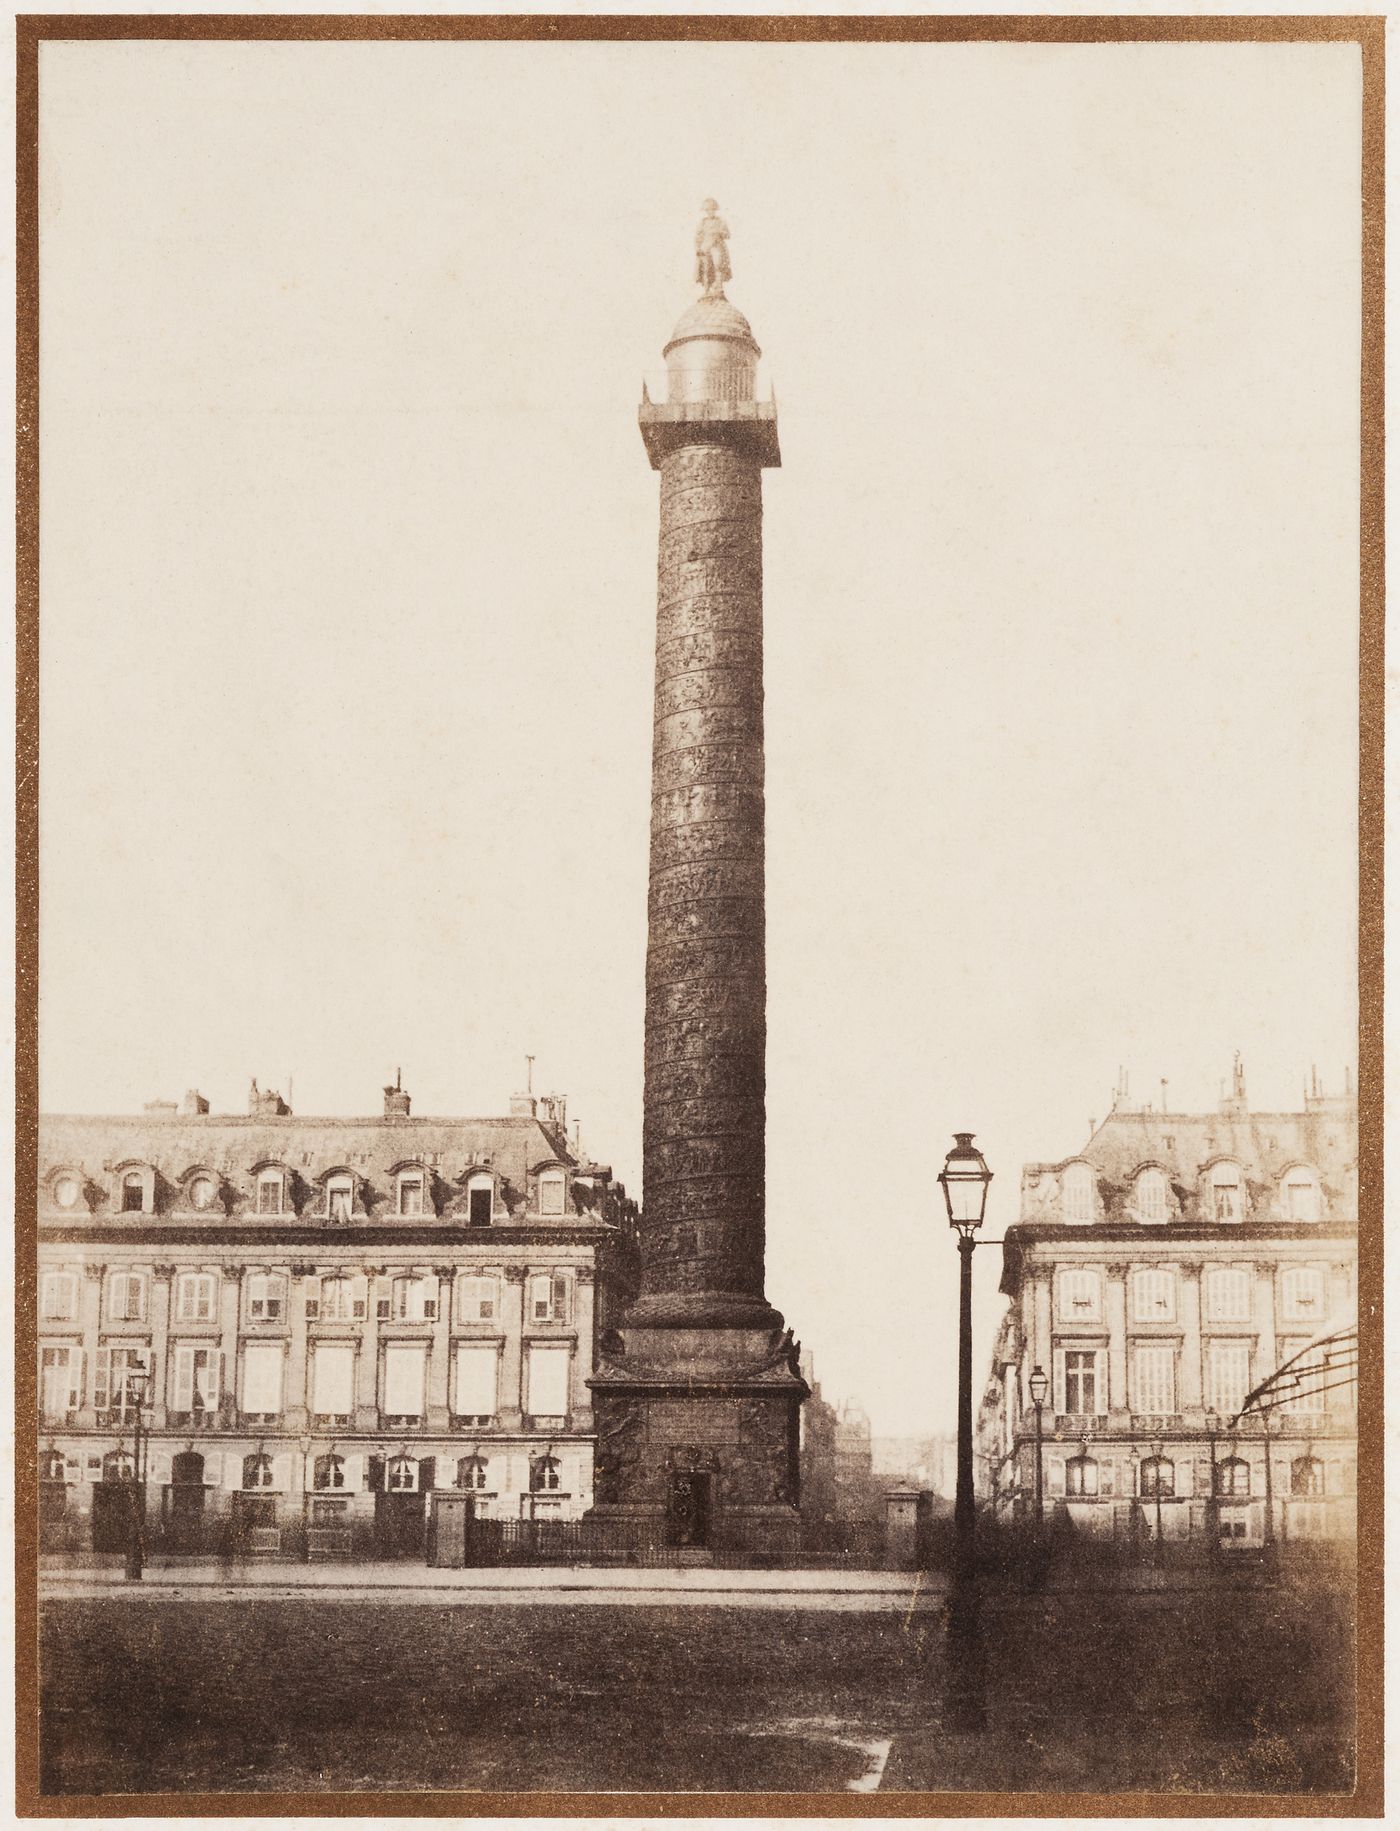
(194, 1297)
(411, 1192)
(53, 1466)
(126, 1296)
(257, 1471)
(67, 1190)
(328, 1472)
(471, 1472)
(402, 1476)
(544, 1474)
(1082, 1477)
(187, 1469)
(1232, 1478)
(1302, 1195)
(340, 1198)
(481, 1197)
(203, 1191)
(1077, 1193)
(1308, 1477)
(1157, 1478)
(117, 1465)
(265, 1297)
(476, 1299)
(337, 1299)
(1226, 1193)
(133, 1192)
(409, 1299)
(1150, 1196)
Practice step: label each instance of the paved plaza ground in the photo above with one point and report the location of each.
(181, 1687)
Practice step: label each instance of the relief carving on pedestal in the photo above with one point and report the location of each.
(764, 1437)
(619, 1449)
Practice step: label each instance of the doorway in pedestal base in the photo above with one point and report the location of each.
(688, 1509)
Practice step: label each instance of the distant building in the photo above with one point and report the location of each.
(1157, 1277)
(926, 1463)
(337, 1317)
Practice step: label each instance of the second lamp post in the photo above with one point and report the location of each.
(965, 1177)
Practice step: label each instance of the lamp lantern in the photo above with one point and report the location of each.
(965, 1177)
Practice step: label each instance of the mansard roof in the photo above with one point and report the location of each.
(513, 1148)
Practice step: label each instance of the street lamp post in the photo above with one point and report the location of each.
(964, 1179)
(1159, 1450)
(1270, 1548)
(1039, 1386)
(1213, 1499)
(137, 1389)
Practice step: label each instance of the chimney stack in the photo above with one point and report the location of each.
(194, 1105)
(396, 1102)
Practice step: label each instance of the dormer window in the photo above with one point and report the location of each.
(272, 1192)
(481, 1196)
(203, 1191)
(1150, 1196)
(133, 1192)
(552, 1194)
(1302, 1197)
(1077, 1194)
(340, 1198)
(411, 1193)
(1226, 1193)
(66, 1191)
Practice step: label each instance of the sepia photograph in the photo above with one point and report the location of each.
(699, 1063)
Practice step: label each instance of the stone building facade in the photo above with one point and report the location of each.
(1157, 1277)
(339, 1317)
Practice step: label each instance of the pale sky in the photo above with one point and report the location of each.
(348, 596)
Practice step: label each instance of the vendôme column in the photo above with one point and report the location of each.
(698, 1395)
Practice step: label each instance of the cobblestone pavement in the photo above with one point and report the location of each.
(1246, 1691)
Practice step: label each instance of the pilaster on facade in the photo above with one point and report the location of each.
(1190, 1373)
(1117, 1310)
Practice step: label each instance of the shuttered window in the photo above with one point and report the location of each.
(404, 1366)
(196, 1380)
(194, 1297)
(266, 1297)
(1154, 1380)
(1227, 1294)
(1227, 1375)
(337, 1299)
(1153, 1295)
(333, 1379)
(549, 1297)
(114, 1389)
(1306, 1392)
(1077, 1191)
(475, 1393)
(1079, 1295)
(60, 1382)
(60, 1297)
(547, 1382)
(1150, 1196)
(262, 1379)
(126, 1296)
(477, 1299)
(1304, 1294)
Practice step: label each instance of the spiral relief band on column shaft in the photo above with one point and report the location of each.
(703, 1139)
